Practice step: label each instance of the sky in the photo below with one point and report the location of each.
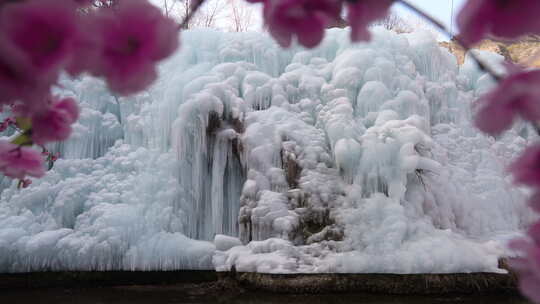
(440, 9)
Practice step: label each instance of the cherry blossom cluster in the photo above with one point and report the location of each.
(50, 158)
(306, 20)
(517, 95)
(40, 39)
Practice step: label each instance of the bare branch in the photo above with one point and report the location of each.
(241, 16)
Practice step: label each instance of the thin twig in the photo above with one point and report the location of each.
(191, 12)
(482, 65)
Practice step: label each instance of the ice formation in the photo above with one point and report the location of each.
(345, 158)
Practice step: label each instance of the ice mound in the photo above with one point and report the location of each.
(345, 158)
(119, 211)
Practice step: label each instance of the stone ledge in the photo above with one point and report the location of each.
(404, 284)
(103, 278)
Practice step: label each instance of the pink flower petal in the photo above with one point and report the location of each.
(18, 79)
(54, 124)
(534, 202)
(305, 19)
(135, 36)
(311, 31)
(362, 13)
(528, 284)
(44, 30)
(516, 95)
(526, 169)
(18, 162)
(495, 115)
(502, 18)
(534, 232)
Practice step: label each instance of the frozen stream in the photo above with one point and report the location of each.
(345, 158)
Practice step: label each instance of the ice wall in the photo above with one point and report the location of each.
(345, 158)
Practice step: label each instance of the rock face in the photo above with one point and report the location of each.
(525, 51)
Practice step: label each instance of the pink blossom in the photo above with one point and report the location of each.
(501, 18)
(3, 126)
(26, 182)
(135, 36)
(37, 39)
(45, 31)
(534, 201)
(55, 156)
(361, 13)
(18, 79)
(18, 162)
(6, 123)
(86, 48)
(305, 19)
(526, 169)
(516, 95)
(528, 264)
(84, 2)
(54, 124)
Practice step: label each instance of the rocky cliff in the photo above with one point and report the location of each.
(525, 51)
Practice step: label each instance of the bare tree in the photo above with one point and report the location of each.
(210, 12)
(241, 16)
(205, 16)
(168, 7)
(395, 23)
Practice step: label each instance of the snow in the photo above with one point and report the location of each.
(225, 242)
(345, 158)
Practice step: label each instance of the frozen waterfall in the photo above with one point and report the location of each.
(345, 158)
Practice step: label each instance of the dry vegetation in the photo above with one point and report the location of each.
(525, 51)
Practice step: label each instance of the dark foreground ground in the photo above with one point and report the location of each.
(206, 294)
(205, 287)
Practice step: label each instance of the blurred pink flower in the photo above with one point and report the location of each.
(534, 201)
(135, 36)
(84, 2)
(305, 19)
(55, 156)
(26, 182)
(528, 264)
(18, 162)
(18, 80)
(516, 95)
(45, 31)
(526, 169)
(54, 124)
(6, 123)
(86, 48)
(501, 18)
(361, 13)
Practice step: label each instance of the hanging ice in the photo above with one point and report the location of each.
(346, 158)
